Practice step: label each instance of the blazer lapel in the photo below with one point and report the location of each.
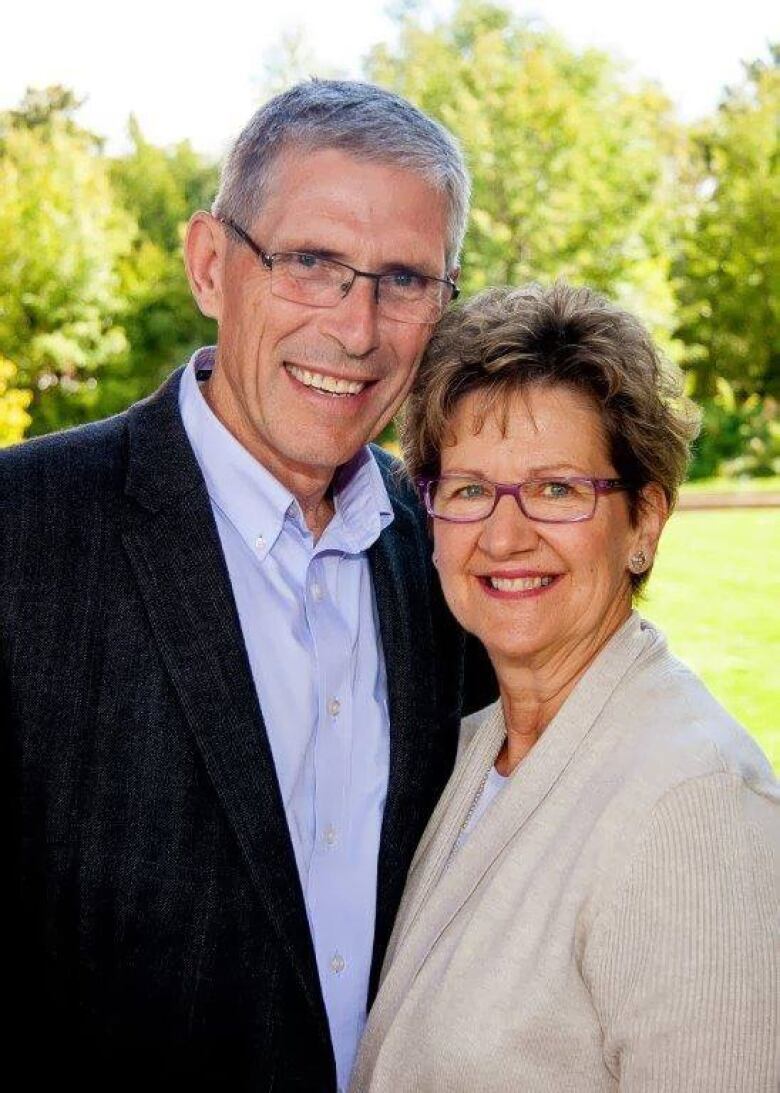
(174, 549)
(400, 575)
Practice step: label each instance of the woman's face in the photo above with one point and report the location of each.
(586, 591)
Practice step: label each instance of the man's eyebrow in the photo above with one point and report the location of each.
(310, 247)
(409, 267)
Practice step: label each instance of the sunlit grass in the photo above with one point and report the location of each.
(715, 591)
(733, 485)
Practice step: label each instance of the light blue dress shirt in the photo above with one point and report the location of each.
(309, 624)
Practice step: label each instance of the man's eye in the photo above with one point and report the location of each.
(305, 261)
(404, 279)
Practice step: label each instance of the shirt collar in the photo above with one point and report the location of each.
(363, 508)
(255, 502)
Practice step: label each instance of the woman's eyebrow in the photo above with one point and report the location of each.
(556, 468)
(532, 472)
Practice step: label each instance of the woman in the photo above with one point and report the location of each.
(592, 905)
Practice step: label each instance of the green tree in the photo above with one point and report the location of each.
(573, 171)
(728, 270)
(14, 419)
(159, 189)
(62, 236)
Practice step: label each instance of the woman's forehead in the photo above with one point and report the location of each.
(551, 418)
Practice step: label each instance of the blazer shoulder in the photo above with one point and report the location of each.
(57, 453)
(399, 485)
(59, 476)
(680, 730)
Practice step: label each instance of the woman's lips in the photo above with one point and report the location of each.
(518, 585)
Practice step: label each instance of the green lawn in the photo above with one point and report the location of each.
(715, 591)
(733, 485)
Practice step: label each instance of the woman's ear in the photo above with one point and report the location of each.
(204, 257)
(652, 514)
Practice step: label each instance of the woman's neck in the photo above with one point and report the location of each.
(534, 690)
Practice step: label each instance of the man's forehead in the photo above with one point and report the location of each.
(330, 198)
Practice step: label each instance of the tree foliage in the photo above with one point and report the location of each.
(14, 419)
(573, 172)
(159, 189)
(62, 236)
(94, 304)
(728, 270)
(579, 172)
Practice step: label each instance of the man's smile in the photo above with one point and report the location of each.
(322, 381)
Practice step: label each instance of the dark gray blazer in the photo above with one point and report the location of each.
(156, 929)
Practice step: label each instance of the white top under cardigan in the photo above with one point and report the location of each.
(612, 921)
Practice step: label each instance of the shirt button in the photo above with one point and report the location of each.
(259, 542)
(337, 963)
(334, 706)
(330, 835)
(317, 591)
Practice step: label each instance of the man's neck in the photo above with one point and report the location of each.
(317, 514)
(310, 486)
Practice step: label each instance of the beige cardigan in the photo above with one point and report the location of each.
(612, 922)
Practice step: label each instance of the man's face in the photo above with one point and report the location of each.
(271, 351)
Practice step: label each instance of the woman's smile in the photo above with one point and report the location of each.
(518, 584)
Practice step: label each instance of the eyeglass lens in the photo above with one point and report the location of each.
(552, 499)
(309, 279)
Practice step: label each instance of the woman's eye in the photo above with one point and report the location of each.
(471, 492)
(555, 490)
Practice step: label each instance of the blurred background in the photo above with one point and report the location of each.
(631, 149)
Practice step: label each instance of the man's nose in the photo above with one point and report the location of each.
(508, 530)
(354, 321)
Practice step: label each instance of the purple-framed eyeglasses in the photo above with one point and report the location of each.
(466, 499)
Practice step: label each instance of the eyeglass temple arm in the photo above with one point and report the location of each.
(246, 238)
(604, 485)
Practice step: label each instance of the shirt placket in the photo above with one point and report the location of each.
(328, 887)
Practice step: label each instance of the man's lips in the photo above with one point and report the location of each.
(518, 583)
(327, 383)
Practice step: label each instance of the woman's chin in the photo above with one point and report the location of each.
(527, 641)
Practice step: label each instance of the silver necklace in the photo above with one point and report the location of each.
(467, 818)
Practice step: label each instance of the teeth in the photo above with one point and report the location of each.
(519, 584)
(330, 384)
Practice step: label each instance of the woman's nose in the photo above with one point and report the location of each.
(508, 530)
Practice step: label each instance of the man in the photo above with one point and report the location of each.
(230, 689)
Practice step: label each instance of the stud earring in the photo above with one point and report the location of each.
(637, 563)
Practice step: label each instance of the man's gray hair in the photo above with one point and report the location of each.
(360, 119)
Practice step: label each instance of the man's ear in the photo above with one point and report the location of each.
(205, 246)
